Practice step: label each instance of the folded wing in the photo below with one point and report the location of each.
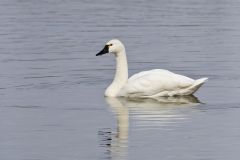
(148, 83)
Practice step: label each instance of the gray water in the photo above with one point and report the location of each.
(52, 84)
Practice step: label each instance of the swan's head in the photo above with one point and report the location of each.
(114, 46)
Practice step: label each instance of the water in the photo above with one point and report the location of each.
(52, 85)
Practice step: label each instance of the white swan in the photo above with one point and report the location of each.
(147, 84)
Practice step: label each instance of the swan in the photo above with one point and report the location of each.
(146, 84)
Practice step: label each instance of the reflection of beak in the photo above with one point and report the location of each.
(103, 51)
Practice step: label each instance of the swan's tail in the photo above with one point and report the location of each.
(200, 81)
(197, 84)
(193, 88)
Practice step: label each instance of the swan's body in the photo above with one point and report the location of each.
(146, 84)
(159, 82)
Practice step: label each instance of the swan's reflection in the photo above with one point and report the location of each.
(144, 114)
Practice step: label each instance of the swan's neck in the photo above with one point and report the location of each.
(121, 75)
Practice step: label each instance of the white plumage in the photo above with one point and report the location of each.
(147, 84)
(159, 82)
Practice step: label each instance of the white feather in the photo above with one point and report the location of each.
(159, 82)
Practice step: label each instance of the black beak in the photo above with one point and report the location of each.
(103, 51)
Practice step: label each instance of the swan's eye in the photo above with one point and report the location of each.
(110, 44)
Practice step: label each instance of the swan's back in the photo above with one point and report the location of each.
(157, 82)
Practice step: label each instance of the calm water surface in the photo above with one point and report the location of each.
(51, 91)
